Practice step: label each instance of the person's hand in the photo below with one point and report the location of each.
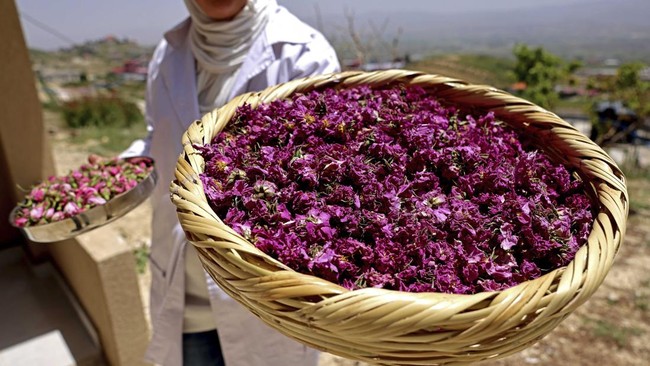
(140, 159)
(96, 159)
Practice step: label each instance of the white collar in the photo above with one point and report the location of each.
(276, 30)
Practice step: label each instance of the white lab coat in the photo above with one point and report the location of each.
(286, 50)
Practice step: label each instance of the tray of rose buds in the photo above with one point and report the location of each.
(95, 194)
(400, 218)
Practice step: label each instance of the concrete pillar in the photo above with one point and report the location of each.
(99, 269)
(26, 150)
(8, 234)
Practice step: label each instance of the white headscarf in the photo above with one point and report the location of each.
(220, 48)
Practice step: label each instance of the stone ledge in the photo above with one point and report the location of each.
(100, 268)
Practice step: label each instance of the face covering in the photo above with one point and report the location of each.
(220, 47)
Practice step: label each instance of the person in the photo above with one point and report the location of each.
(224, 48)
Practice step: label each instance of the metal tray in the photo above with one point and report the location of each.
(93, 218)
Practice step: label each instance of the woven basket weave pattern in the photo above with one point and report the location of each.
(396, 328)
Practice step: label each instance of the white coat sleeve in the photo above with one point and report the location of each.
(317, 57)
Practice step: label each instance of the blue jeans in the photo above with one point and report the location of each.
(202, 349)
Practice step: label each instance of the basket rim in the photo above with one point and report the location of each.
(333, 78)
(546, 296)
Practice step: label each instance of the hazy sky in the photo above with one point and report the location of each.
(146, 20)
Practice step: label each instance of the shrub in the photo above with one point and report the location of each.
(101, 112)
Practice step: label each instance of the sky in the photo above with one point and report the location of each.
(50, 25)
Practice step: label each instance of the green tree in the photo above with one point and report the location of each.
(100, 112)
(628, 88)
(541, 70)
(633, 91)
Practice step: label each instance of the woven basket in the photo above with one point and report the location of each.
(398, 328)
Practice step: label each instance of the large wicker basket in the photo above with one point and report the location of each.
(397, 328)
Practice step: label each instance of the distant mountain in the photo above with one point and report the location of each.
(94, 59)
(589, 30)
(110, 48)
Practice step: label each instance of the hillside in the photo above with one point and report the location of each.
(477, 69)
(96, 57)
